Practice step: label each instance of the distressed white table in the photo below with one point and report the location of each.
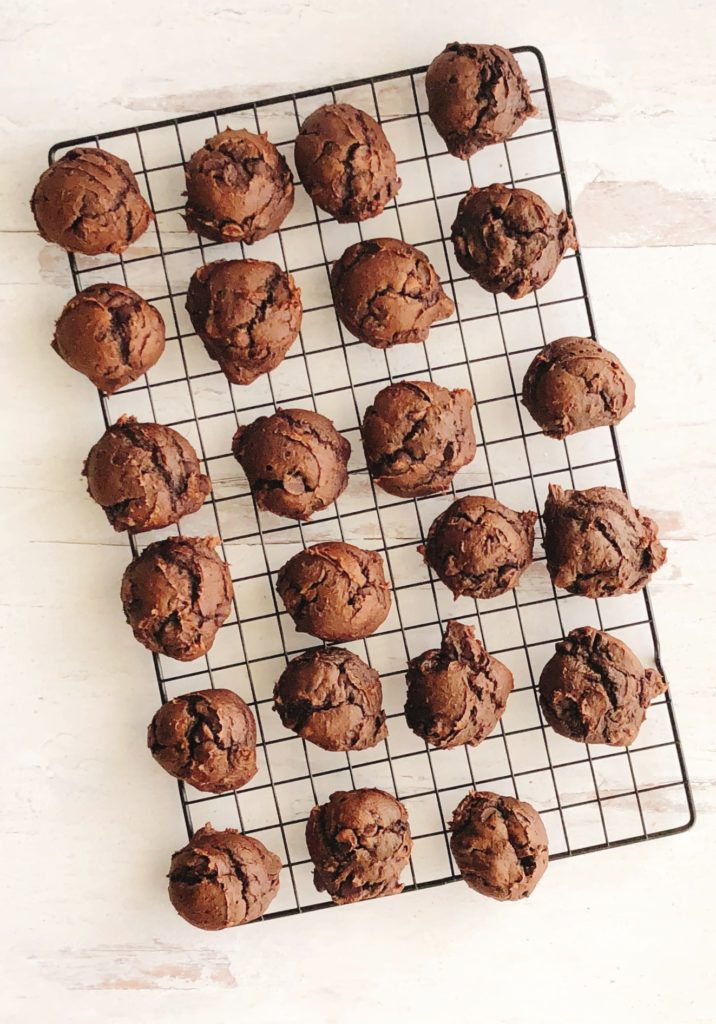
(87, 823)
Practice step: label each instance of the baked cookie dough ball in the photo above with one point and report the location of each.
(345, 162)
(330, 697)
(457, 694)
(359, 843)
(239, 188)
(110, 334)
(479, 547)
(295, 460)
(145, 476)
(573, 384)
(335, 591)
(222, 879)
(597, 544)
(176, 594)
(499, 845)
(477, 95)
(595, 690)
(509, 239)
(207, 739)
(416, 436)
(387, 292)
(247, 313)
(89, 202)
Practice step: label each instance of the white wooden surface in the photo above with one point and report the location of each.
(87, 823)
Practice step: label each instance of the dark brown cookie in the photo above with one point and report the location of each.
(330, 697)
(145, 476)
(207, 739)
(345, 162)
(296, 461)
(416, 436)
(457, 694)
(239, 188)
(499, 845)
(479, 547)
(247, 313)
(335, 591)
(387, 292)
(176, 594)
(110, 334)
(477, 95)
(597, 544)
(89, 202)
(222, 879)
(509, 240)
(595, 689)
(573, 384)
(359, 843)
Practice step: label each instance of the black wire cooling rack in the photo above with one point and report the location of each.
(590, 798)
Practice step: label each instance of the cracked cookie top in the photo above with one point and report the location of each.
(145, 476)
(416, 436)
(207, 739)
(597, 544)
(387, 292)
(89, 202)
(345, 162)
(509, 239)
(239, 188)
(247, 313)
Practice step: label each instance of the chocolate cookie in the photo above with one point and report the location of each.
(89, 202)
(207, 739)
(387, 292)
(110, 334)
(509, 240)
(477, 95)
(457, 694)
(479, 547)
(145, 476)
(345, 162)
(247, 313)
(335, 591)
(330, 697)
(296, 462)
(416, 436)
(176, 594)
(359, 843)
(597, 544)
(239, 188)
(222, 879)
(573, 384)
(595, 689)
(499, 845)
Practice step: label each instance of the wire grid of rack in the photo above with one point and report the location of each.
(590, 798)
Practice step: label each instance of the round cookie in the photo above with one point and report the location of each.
(207, 739)
(359, 843)
(509, 240)
(416, 436)
(222, 879)
(330, 697)
(335, 591)
(345, 162)
(88, 201)
(479, 547)
(499, 845)
(176, 594)
(145, 476)
(239, 188)
(597, 544)
(110, 334)
(387, 292)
